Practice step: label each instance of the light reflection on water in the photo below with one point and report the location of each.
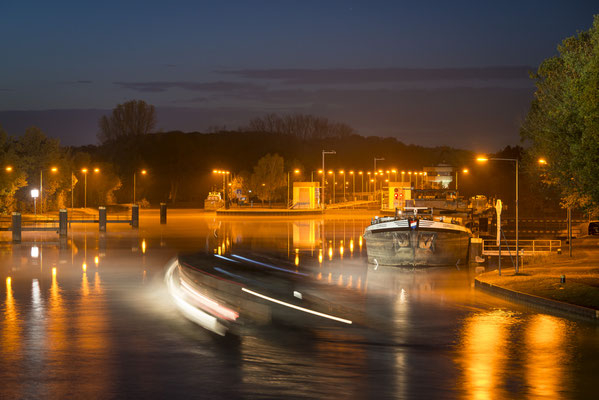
(109, 328)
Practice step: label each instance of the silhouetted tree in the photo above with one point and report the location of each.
(134, 117)
(268, 177)
(563, 121)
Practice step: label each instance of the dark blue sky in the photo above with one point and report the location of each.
(406, 69)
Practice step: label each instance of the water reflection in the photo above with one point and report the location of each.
(63, 322)
(11, 339)
(546, 367)
(484, 354)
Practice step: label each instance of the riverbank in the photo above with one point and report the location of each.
(559, 282)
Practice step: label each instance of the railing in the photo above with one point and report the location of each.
(526, 247)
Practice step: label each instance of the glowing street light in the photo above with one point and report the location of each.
(464, 171)
(375, 160)
(53, 170)
(8, 169)
(515, 160)
(322, 198)
(35, 194)
(143, 172)
(295, 171)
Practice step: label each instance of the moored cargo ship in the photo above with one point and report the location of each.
(416, 240)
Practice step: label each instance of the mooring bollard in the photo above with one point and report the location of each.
(135, 216)
(102, 218)
(162, 213)
(16, 227)
(62, 223)
(562, 279)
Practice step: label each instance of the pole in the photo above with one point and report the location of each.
(362, 187)
(72, 184)
(134, 188)
(570, 231)
(85, 192)
(517, 237)
(334, 187)
(499, 268)
(287, 189)
(353, 186)
(322, 199)
(41, 193)
(456, 180)
(322, 185)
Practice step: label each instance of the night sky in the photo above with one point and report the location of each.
(431, 73)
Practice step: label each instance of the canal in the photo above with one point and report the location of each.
(93, 319)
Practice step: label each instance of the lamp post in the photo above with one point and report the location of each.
(53, 169)
(375, 160)
(464, 171)
(35, 193)
(324, 152)
(515, 160)
(361, 173)
(84, 171)
(342, 173)
(353, 185)
(295, 171)
(331, 172)
(143, 172)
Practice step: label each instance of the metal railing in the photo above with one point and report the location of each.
(527, 247)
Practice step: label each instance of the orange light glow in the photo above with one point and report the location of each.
(84, 170)
(482, 159)
(542, 161)
(465, 170)
(96, 260)
(54, 169)
(96, 170)
(143, 172)
(8, 169)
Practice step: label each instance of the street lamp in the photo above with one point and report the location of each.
(295, 171)
(353, 185)
(312, 175)
(362, 184)
(35, 194)
(375, 160)
(515, 160)
(84, 171)
(342, 173)
(143, 172)
(331, 172)
(464, 171)
(324, 152)
(53, 170)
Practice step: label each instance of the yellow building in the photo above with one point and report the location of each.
(306, 195)
(399, 192)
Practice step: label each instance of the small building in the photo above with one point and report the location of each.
(440, 176)
(398, 193)
(306, 195)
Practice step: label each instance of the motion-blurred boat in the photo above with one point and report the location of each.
(226, 293)
(417, 240)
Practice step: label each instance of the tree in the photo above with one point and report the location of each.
(563, 120)
(134, 117)
(268, 177)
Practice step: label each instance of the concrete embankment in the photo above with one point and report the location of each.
(562, 284)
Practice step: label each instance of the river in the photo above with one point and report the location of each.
(92, 319)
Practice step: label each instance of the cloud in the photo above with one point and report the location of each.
(84, 82)
(219, 86)
(379, 75)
